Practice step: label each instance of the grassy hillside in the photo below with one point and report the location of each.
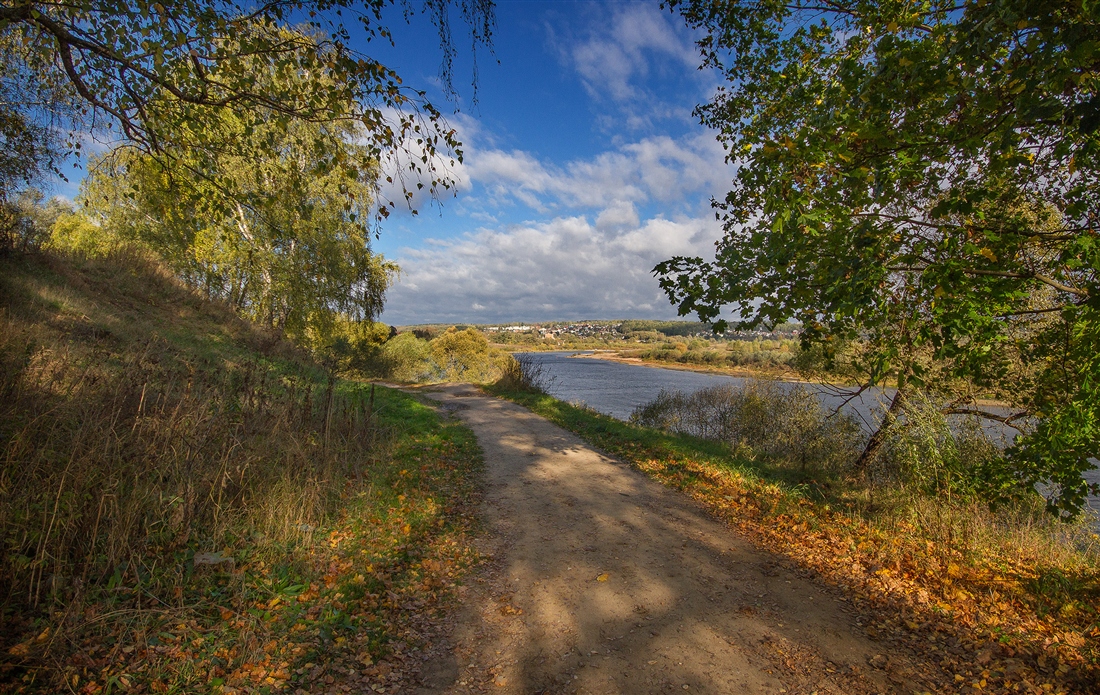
(188, 503)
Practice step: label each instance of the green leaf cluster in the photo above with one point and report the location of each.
(269, 215)
(920, 176)
(159, 75)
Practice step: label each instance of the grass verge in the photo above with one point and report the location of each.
(992, 603)
(188, 504)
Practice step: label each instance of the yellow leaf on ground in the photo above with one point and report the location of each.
(602, 578)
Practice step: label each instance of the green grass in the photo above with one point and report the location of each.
(142, 426)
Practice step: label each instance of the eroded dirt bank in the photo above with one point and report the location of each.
(602, 581)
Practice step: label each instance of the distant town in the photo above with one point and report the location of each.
(638, 330)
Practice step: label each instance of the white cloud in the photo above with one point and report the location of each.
(618, 215)
(611, 58)
(658, 169)
(559, 269)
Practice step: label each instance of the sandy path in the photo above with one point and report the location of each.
(603, 581)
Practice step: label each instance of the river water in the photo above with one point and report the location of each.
(617, 389)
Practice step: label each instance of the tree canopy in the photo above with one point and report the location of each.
(157, 75)
(283, 237)
(921, 176)
(247, 140)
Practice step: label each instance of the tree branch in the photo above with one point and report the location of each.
(985, 414)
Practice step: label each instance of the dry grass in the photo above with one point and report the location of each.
(523, 373)
(140, 427)
(779, 421)
(118, 449)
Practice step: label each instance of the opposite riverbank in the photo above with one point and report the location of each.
(785, 375)
(743, 372)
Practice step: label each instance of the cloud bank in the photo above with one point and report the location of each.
(637, 40)
(656, 169)
(564, 268)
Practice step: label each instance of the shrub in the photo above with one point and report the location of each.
(406, 357)
(74, 233)
(780, 421)
(464, 355)
(26, 220)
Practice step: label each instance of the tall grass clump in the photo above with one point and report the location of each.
(928, 452)
(784, 422)
(113, 463)
(522, 372)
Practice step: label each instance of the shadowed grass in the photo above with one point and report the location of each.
(189, 503)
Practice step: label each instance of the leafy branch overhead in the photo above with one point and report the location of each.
(921, 176)
(158, 75)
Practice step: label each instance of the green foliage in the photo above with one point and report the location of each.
(406, 358)
(752, 354)
(34, 107)
(271, 226)
(1057, 453)
(26, 220)
(452, 355)
(161, 75)
(463, 355)
(924, 178)
(645, 336)
(351, 346)
(621, 438)
(74, 233)
(668, 328)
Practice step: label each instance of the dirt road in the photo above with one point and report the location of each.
(602, 581)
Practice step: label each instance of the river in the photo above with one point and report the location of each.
(617, 389)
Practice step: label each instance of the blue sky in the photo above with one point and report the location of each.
(583, 168)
